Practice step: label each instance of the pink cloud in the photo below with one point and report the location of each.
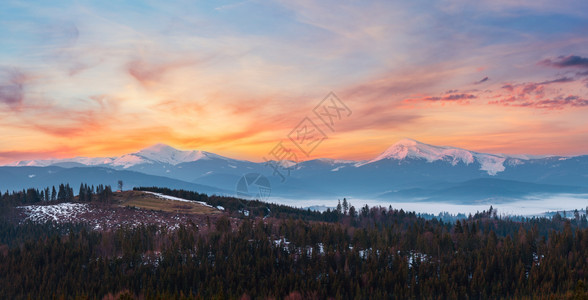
(539, 95)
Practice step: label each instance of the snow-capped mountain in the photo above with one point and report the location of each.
(165, 154)
(404, 149)
(412, 149)
(409, 148)
(406, 170)
(159, 153)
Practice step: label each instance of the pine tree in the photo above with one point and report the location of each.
(53, 194)
(82, 193)
(61, 194)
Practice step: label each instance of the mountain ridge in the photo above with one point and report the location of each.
(413, 169)
(158, 153)
(401, 150)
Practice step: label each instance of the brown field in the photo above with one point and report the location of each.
(148, 201)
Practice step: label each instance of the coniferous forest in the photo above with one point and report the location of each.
(280, 252)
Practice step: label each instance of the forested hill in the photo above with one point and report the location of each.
(281, 252)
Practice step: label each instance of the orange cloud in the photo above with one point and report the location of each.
(108, 86)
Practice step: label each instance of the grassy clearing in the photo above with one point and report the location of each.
(144, 200)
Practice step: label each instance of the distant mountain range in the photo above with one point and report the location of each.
(408, 170)
(156, 154)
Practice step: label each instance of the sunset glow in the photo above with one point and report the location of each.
(234, 78)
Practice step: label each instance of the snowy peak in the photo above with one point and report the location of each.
(167, 154)
(405, 149)
(409, 148)
(412, 149)
(159, 153)
(159, 148)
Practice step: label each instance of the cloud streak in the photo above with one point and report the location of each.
(12, 87)
(482, 80)
(462, 98)
(567, 61)
(557, 103)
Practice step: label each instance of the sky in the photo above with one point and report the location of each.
(237, 78)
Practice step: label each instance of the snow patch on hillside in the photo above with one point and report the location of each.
(166, 197)
(490, 163)
(56, 212)
(103, 217)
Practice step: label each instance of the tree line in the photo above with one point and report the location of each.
(374, 253)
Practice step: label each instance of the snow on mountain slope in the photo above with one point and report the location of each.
(491, 163)
(409, 148)
(166, 154)
(88, 161)
(336, 161)
(158, 153)
(403, 149)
